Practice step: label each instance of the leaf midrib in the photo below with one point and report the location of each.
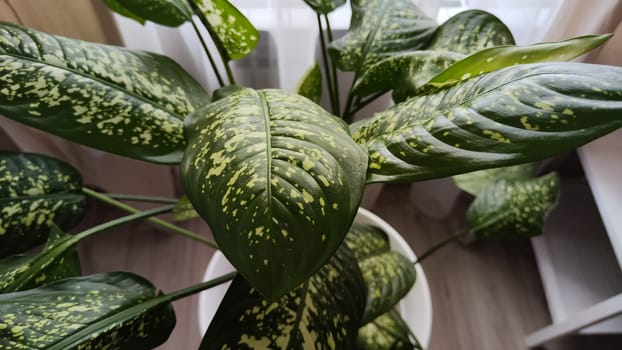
(102, 81)
(261, 97)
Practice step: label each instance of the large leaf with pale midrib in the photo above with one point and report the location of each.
(171, 13)
(116, 310)
(323, 313)
(279, 181)
(120, 101)
(36, 191)
(387, 331)
(324, 6)
(513, 208)
(514, 115)
(380, 29)
(233, 33)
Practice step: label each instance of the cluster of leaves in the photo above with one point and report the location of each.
(278, 178)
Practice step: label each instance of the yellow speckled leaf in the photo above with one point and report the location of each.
(513, 208)
(476, 181)
(310, 85)
(184, 210)
(36, 191)
(324, 6)
(514, 115)
(171, 13)
(387, 331)
(323, 313)
(116, 310)
(278, 179)
(120, 101)
(232, 32)
(380, 29)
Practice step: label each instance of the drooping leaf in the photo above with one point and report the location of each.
(500, 57)
(279, 181)
(404, 72)
(388, 275)
(310, 86)
(36, 191)
(323, 313)
(230, 29)
(470, 31)
(57, 261)
(124, 102)
(184, 210)
(117, 310)
(380, 29)
(513, 208)
(515, 115)
(387, 331)
(366, 240)
(476, 181)
(324, 6)
(170, 13)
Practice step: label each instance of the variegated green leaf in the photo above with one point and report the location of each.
(476, 181)
(366, 240)
(310, 86)
(278, 179)
(120, 101)
(324, 6)
(232, 32)
(388, 275)
(380, 29)
(116, 310)
(184, 210)
(404, 72)
(57, 261)
(35, 192)
(470, 31)
(323, 313)
(500, 57)
(513, 208)
(223, 92)
(387, 331)
(515, 115)
(171, 13)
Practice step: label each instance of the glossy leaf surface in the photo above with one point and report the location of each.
(500, 57)
(514, 115)
(310, 85)
(380, 29)
(170, 13)
(323, 313)
(231, 30)
(36, 191)
(476, 181)
(278, 179)
(387, 331)
(388, 275)
(513, 208)
(120, 101)
(108, 311)
(324, 6)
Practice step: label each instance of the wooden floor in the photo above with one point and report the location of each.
(486, 296)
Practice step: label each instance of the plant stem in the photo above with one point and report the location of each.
(440, 245)
(209, 55)
(120, 221)
(329, 78)
(332, 66)
(364, 103)
(346, 111)
(221, 50)
(138, 198)
(180, 294)
(174, 228)
(349, 116)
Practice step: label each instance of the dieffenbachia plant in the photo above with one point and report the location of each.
(278, 178)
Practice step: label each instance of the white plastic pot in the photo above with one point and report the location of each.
(415, 308)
